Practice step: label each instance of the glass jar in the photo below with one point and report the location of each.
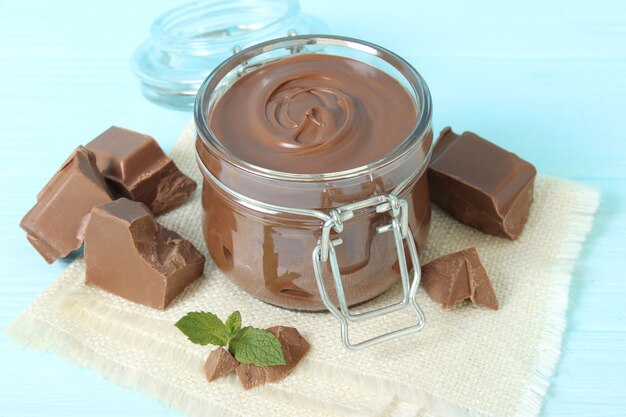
(187, 42)
(270, 231)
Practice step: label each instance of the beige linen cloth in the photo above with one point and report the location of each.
(466, 362)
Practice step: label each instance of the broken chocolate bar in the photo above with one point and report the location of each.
(131, 255)
(481, 184)
(55, 224)
(136, 168)
(295, 347)
(457, 277)
(220, 362)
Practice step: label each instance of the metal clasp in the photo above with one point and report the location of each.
(325, 251)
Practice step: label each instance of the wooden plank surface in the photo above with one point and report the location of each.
(544, 79)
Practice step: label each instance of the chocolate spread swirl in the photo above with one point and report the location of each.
(312, 114)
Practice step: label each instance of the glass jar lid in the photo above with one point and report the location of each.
(188, 42)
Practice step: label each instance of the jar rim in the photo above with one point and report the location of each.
(414, 139)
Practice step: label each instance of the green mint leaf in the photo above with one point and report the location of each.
(233, 324)
(258, 347)
(203, 328)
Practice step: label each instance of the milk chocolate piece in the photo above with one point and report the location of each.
(456, 277)
(131, 255)
(56, 223)
(220, 362)
(136, 167)
(481, 184)
(295, 347)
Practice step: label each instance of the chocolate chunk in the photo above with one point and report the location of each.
(481, 184)
(456, 277)
(55, 224)
(220, 362)
(295, 347)
(136, 167)
(129, 254)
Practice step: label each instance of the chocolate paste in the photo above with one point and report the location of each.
(311, 114)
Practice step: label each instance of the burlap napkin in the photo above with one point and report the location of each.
(466, 362)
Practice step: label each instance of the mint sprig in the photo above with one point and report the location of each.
(203, 328)
(233, 323)
(248, 344)
(257, 346)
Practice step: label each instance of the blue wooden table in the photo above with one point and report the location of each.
(544, 79)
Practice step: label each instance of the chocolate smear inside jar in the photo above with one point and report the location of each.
(286, 133)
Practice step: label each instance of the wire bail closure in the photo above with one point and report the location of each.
(325, 252)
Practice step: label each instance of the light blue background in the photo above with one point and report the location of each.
(546, 79)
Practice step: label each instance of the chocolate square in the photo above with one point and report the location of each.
(128, 253)
(136, 167)
(56, 222)
(481, 184)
